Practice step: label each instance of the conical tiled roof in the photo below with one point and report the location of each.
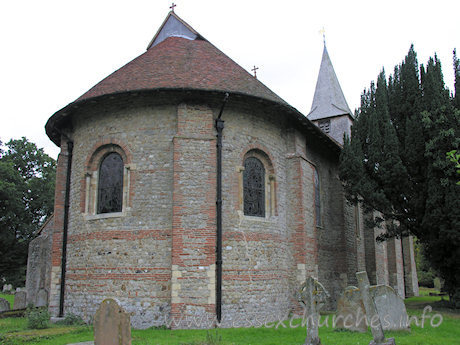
(329, 100)
(180, 60)
(178, 57)
(181, 63)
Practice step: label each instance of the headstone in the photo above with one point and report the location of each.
(112, 324)
(437, 284)
(20, 300)
(351, 314)
(390, 307)
(371, 312)
(7, 287)
(313, 295)
(4, 305)
(42, 298)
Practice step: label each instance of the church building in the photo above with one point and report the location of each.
(186, 187)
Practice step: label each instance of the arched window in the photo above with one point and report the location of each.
(110, 185)
(317, 198)
(254, 187)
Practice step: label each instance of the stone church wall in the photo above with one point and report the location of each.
(256, 253)
(126, 256)
(157, 256)
(336, 227)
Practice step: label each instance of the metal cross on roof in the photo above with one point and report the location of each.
(323, 31)
(172, 6)
(255, 71)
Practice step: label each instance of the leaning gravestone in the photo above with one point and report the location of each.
(112, 324)
(42, 298)
(390, 308)
(313, 295)
(4, 305)
(20, 298)
(371, 312)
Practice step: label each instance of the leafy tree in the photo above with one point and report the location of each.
(27, 177)
(395, 161)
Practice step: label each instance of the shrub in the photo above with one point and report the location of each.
(71, 319)
(38, 318)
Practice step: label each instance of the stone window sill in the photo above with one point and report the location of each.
(104, 215)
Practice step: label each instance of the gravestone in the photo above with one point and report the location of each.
(42, 298)
(7, 288)
(313, 295)
(112, 324)
(437, 284)
(390, 307)
(20, 300)
(371, 312)
(4, 305)
(351, 313)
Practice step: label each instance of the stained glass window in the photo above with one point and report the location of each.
(254, 187)
(110, 187)
(317, 199)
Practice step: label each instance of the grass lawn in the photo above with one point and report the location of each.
(14, 331)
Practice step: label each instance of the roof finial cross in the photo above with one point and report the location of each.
(172, 7)
(323, 31)
(255, 71)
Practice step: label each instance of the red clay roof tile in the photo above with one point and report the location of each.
(184, 64)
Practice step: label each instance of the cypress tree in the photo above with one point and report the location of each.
(395, 161)
(457, 81)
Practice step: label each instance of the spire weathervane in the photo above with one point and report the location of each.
(323, 31)
(172, 7)
(255, 71)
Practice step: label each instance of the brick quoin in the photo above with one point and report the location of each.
(194, 202)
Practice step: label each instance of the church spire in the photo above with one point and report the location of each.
(329, 100)
(329, 110)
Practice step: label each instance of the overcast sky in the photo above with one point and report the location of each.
(54, 51)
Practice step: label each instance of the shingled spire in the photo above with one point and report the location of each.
(330, 109)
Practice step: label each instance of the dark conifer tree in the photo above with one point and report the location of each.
(395, 161)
